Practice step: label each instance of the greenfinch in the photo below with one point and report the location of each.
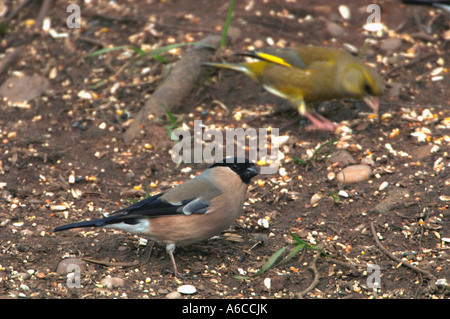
(308, 74)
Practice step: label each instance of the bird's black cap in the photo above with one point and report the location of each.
(245, 168)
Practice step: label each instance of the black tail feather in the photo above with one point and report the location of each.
(88, 223)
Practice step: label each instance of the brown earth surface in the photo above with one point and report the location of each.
(63, 158)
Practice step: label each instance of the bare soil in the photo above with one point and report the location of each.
(74, 129)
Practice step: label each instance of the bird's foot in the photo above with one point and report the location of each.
(319, 123)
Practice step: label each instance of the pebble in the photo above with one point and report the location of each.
(23, 275)
(334, 29)
(173, 295)
(187, 290)
(24, 287)
(65, 263)
(343, 157)
(315, 199)
(442, 282)
(112, 282)
(354, 174)
(390, 44)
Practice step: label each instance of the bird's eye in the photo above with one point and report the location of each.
(368, 89)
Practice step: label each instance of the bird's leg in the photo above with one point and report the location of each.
(319, 123)
(170, 249)
(373, 103)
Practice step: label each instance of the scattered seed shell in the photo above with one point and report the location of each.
(343, 193)
(345, 12)
(58, 208)
(383, 186)
(263, 222)
(267, 283)
(373, 27)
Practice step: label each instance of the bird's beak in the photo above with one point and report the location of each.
(372, 102)
(252, 171)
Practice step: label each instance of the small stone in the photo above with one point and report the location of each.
(163, 291)
(26, 232)
(315, 199)
(442, 282)
(24, 287)
(23, 275)
(390, 44)
(354, 174)
(187, 290)
(173, 295)
(334, 29)
(343, 157)
(70, 264)
(112, 282)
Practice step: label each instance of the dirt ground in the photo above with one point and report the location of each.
(63, 158)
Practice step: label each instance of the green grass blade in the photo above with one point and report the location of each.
(171, 117)
(269, 263)
(299, 161)
(155, 53)
(291, 255)
(105, 50)
(227, 24)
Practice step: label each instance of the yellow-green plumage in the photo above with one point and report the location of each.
(310, 74)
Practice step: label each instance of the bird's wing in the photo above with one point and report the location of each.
(281, 56)
(192, 197)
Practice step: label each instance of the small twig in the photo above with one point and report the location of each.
(174, 88)
(42, 14)
(124, 264)
(107, 263)
(353, 268)
(390, 255)
(315, 281)
(91, 41)
(9, 58)
(16, 10)
(405, 65)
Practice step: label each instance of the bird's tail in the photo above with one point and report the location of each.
(232, 66)
(88, 223)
